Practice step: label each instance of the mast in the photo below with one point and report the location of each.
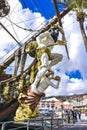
(60, 23)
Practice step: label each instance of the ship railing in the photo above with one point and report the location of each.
(41, 123)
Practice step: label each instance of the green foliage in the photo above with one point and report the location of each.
(79, 5)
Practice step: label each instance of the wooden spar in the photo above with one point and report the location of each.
(10, 33)
(60, 23)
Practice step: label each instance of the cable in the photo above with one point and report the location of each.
(24, 3)
(10, 34)
(15, 12)
(8, 52)
(23, 21)
(32, 32)
(36, 5)
(14, 30)
(20, 26)
(27, 36)
(22, 40)
(64, 62)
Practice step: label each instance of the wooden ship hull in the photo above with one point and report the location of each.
(7, 111)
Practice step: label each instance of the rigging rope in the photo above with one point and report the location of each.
(20, 26)
(30, 34)
(14, 30)
(24, 3)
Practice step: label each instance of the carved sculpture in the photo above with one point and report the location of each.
(40, 78)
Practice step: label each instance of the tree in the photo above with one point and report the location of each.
(79, 6)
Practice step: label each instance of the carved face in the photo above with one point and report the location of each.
(31, 48)
(45, 40)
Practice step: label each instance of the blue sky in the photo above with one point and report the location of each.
(73, 72)
(46, 7)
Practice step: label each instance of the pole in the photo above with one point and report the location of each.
(10, 34)
(60, 23)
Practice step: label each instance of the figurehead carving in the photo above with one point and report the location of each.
(41, 77)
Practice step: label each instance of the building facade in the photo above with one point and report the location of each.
(54, 104)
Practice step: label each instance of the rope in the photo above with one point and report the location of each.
(14, 30)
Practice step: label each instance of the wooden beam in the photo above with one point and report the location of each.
(60, 23)
(10, 33)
